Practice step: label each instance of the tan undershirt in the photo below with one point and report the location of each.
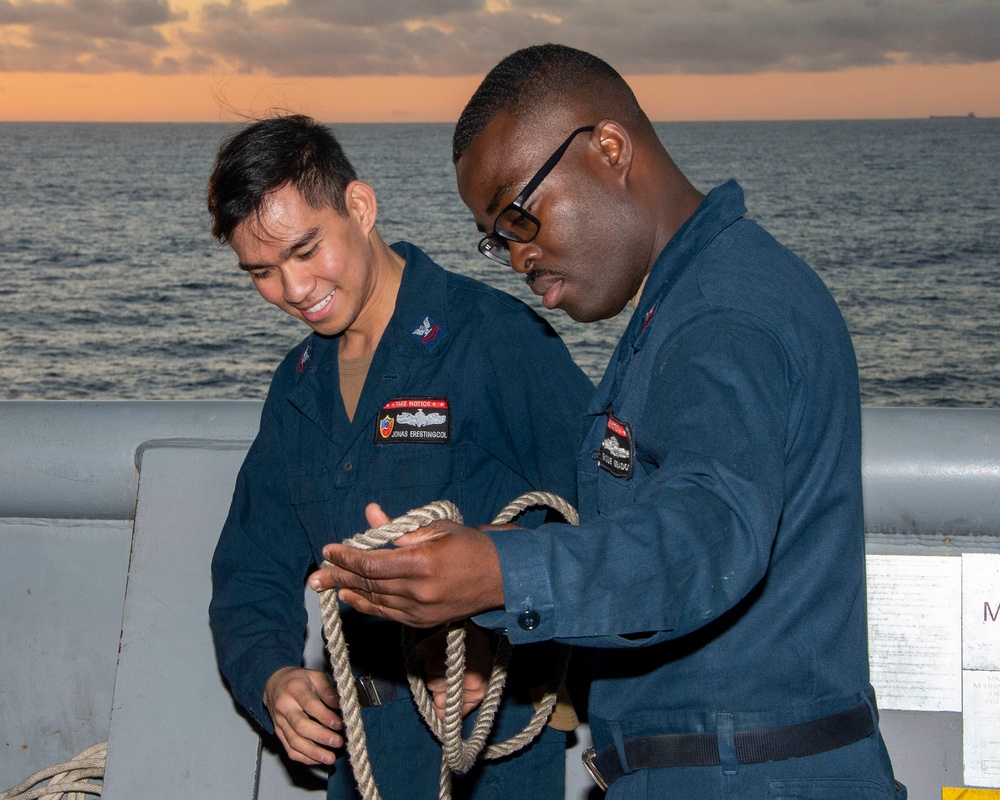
(564, 717)
(353, 372)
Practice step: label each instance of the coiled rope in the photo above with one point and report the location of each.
(457, 754)
(67, 780)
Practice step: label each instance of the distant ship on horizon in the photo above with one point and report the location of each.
(970, 115)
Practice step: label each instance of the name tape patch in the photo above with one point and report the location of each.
(414, 420)
(617, 453)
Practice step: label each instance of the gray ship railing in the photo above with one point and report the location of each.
(109, 513)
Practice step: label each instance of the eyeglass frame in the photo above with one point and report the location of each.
(492, 245)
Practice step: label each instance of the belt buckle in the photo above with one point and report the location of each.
(367, 691)
(595, 773)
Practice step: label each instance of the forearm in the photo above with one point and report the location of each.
(673, 558)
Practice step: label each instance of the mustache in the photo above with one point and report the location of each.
(535, 274)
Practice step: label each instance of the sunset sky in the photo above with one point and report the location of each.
(419, 60)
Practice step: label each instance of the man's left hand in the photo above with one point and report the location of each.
(479, 658)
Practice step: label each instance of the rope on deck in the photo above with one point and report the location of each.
(69, 780)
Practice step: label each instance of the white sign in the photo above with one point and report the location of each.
(915, 631)
(981, 611)
(981, 728)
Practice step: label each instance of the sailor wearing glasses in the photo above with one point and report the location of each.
(414, 385)
(717, 576)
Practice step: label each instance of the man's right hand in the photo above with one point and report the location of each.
(300, 702)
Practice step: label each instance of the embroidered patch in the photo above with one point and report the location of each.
(429, 332)
(414, 420)
(303, 359)
(648, 318)
(617, 453)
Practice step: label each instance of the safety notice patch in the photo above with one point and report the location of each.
(617, 453)
(414, 420)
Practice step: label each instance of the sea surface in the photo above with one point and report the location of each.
(113, 288)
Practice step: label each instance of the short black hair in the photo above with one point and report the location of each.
(526, 79)
(268, 154)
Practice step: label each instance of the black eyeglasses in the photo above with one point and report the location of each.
(514, 224)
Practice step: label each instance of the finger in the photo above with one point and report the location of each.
(474, 693)
(425, 534)
(391, 574)
(308, 691)
(354, 568)
(329, 697)
(315, 721)
(316, 709)
(385, 606)
(307, 741)
(296, 755)
(306, 719)
(337, 576)
(440, 701)
(325, 690)
(375, 516)
(403, 561)
(468, 705)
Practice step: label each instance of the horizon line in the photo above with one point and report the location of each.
(969, 116)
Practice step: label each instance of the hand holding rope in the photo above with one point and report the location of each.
(458, 755)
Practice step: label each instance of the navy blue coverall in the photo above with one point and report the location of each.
(470, 397)
(718, 571)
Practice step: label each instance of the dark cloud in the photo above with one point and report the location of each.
(793, 35)
(447, 37)
(458, 37)
(85, 35)
(371, 13)
(116, 16)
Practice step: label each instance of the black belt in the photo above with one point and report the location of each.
(752, 747)
(374, 691)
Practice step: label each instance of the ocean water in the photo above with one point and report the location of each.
(114, 289)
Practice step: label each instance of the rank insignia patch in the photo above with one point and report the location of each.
(414, 420)
(303, 359)
(429, 332)
(648, 318)
(617, 453)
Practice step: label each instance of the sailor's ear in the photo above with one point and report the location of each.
(361, 204)
(614, 143)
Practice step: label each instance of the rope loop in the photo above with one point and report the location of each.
(458, 755)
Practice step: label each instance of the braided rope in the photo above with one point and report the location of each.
(68, 779)
(458, 755)
(350, 706)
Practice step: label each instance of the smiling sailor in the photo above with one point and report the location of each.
(415, 384)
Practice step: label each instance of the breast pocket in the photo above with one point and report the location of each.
(316, 494)
(613, 493)
(406, 476)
